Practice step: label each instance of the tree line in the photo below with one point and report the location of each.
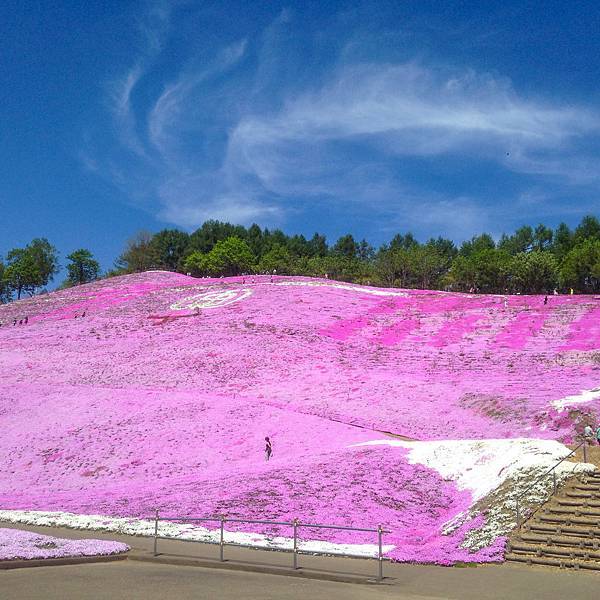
(531, 260)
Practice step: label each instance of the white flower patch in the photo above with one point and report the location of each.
(211, 299)
(481, 466)
(581, 398)
(183, 531)
(341, 286)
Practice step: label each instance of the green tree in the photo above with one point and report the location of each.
(45, 256)
(279, 259)
(139, 254)
(562, 241)
(168, 248)
(404, 242)
(206, 237)
(4, 289)
(255, 240)
(83, 268)
(487, 270)
(588, 229)
(580, 269)
(534, 272)
(477, 244)
(229, 257)
(298, 246)
(395, 266)
(30, 268)
(317, 245)
(195, 264)
(428, 264)
(345, 246)
(364, 251)
(542, 238)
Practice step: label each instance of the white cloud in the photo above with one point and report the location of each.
(214, 143)
(413, 111)
(170, 113)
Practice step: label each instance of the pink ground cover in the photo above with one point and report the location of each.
(26, 545)
(146, 402)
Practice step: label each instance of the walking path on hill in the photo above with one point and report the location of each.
(146, 580)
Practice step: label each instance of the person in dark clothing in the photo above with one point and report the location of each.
(268, 449)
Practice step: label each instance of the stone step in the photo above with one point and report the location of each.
(568, 519)
(553, 539)
(554, 551)
(554, 562)
(563, 530)
(576, 502)
(582, 494)
(586, 487)
(576, 511)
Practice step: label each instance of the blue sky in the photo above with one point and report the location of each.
(440, 118)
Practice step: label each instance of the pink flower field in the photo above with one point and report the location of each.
(162, 394)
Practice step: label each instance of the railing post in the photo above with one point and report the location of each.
(295, 544)
(222, 540)
(554, 480)
(380, 552)
(584, 451)
(156, 533)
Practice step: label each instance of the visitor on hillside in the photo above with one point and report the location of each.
(588, 433)
(545, 300)
(555, 292)
(26, 320)
(505, 303)
(268, 449)
(598, 435)
(571, 292)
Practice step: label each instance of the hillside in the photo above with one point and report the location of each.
(162, 394)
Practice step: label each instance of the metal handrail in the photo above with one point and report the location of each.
(543, 476)
(295, 524)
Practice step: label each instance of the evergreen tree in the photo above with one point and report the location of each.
(168, 248)
(82, 268)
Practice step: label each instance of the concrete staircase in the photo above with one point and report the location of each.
(565, 532)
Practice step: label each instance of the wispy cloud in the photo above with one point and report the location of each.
(224, 140)
(413, 111)
(170, 113)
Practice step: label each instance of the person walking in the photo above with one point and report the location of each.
(545, 300)
(588, 433)
(268, 449)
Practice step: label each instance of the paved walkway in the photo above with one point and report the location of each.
(133, 579)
